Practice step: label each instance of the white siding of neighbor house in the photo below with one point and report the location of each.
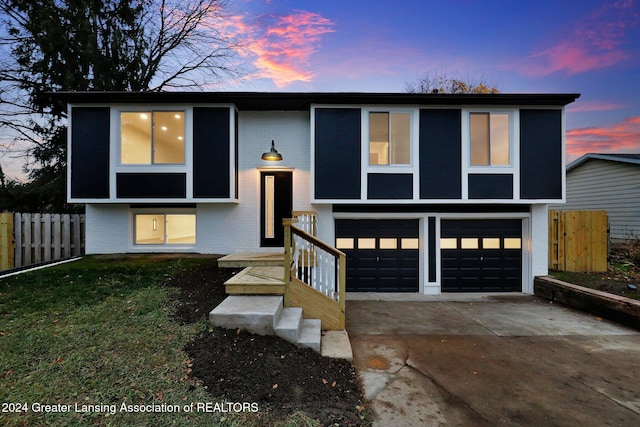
(607, 185)
(229, 227)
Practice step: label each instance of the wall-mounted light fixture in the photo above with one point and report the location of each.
(272, 154)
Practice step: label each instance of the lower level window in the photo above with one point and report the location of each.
(165, 229)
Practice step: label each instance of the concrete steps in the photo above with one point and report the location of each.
(266, 315)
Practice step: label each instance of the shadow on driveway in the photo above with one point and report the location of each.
(497, 360)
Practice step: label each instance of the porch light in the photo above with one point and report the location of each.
(272, 154)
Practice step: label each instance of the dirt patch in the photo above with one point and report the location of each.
(201, 289)
(242, 367)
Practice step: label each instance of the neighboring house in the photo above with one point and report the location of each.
(425, 193)
(608, 182)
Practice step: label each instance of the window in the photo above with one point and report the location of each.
(152, 137)
(389, 138)
(490, 137)
(165, 229)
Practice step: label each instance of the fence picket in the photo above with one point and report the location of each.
(37, 238)
(46, 240)
(66, 236)
(57, 237)
(27, 227)
(17, 238)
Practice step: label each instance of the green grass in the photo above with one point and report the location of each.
(97, 331)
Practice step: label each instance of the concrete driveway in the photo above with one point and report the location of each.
(492, 360)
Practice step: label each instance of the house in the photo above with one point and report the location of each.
(424, 193)
(609, 182)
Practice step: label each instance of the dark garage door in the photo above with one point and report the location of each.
(382, 255)
(481, 255)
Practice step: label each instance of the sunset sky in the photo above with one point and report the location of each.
(589, 47)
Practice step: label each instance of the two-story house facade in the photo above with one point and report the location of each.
(424, 193)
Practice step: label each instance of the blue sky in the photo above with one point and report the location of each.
(588, 47)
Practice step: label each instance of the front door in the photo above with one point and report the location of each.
(276, 204)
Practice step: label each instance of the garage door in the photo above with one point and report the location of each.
(382, 255)
(481, 255)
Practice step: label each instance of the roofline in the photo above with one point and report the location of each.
(303, 100)
(612, 158)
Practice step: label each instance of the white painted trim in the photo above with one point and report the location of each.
(69, 151)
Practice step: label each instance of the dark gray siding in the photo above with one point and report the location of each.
(211, 152)
(337, 153)
(389, 186)
(490, 186)
(90, 152)
(540, 154)
(440, 151)
(151, 185)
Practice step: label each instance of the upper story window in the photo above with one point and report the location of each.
(152, 137)
(490, 139)
(389, 138)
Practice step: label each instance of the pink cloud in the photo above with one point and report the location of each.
(623, 137)
(281, 47)
(590, 106)
(594, 43)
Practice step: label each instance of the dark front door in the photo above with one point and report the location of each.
(276, 204)
(382, 255)
(481, 255)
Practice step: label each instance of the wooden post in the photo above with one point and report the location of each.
(286, 222)
(6, 241)
(342, 289)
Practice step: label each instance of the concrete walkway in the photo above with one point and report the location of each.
(513, 360)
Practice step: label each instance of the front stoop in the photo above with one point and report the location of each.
(265, 315)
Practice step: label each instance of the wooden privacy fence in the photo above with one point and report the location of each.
(27, 238)
(578, 241)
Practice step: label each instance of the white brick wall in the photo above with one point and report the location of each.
(539, 240)
(107, 228)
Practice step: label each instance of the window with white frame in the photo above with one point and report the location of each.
(164, 229)
(389, 138)
(152, 137)
(490, 138)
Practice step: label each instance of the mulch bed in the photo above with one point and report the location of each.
(281, 378)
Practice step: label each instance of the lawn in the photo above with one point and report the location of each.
(97, 342)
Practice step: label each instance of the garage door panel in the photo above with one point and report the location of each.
(378, 261)
(484, 255)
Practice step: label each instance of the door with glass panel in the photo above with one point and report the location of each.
(276, 204)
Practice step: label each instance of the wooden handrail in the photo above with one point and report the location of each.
(324, 282)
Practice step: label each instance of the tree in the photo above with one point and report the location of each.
(442, 83)
(107, 45)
